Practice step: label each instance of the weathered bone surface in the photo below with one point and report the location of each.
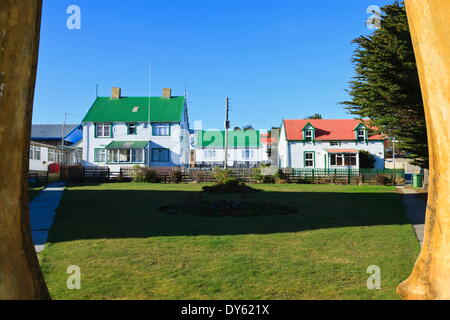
(430, 29)
(20, 276)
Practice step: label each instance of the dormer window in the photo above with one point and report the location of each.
(361, 135)
(309, 135)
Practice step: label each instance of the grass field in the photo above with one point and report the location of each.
(127, 249)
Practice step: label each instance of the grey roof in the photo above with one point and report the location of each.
(50, 130)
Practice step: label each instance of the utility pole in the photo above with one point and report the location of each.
(227, 126)
(62, 139)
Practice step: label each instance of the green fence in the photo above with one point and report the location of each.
(346, 176)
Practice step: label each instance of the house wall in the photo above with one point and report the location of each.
(234, 154)
(177, 143)
(291, 153)
(43, 163)
(296, 152)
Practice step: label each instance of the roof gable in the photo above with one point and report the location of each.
(341, 129)
(51, 131)
(130, 109)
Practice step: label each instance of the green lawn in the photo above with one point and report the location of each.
(127, 249)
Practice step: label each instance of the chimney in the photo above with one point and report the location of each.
(115, 93)
(167, 93)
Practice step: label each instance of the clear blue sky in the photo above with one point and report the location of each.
(276, 59)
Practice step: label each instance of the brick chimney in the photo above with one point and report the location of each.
(167, 93)
(115, 93)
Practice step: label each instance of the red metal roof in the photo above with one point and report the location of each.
(341, 151)
(341, 129)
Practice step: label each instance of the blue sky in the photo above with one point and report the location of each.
(275, 59)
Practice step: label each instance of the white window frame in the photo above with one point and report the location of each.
(342, 157)
(209, 154)
(131, 155)
(311, 160)
(335, 143)
(248, 154)
(100, 128)
(161, 129)
(309, 135)
(361, 137)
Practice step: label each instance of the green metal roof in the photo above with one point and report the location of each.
(236, 138)
(127, 145)
(129, 109)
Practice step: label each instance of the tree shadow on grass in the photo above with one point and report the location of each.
(112, 214)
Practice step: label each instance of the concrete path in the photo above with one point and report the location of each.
(415, 210)
(42, 212)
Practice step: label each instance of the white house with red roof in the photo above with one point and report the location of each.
(323, 143)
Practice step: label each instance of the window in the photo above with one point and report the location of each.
(137, 155)
(51, 155)
(132, 128)
(343, 159)
(335, 143)
(209, 154)
(361, 135)
(161, 129)
(99, 155)
(309, 159)
(103, 130)
(125, 155)
(35, 153)
(308, 135)
(247, 154)
(160, 155)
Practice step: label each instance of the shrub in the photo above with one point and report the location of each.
(257, 176)
(269, 179)
(221, 175)
(177, 175)
(366, 160)
(383, 180)
(144, 174)
(280, 175)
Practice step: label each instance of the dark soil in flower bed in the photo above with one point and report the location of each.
(224, 208)
(230, 188)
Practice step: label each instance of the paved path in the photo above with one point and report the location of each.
(415, 210)
(42, 212)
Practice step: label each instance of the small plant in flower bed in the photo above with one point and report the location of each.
(230, 185)
(228, 208)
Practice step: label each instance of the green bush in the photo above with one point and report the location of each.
(366, 160)
(257, 176)
(144, 174)
(269, 179)
(177, 176)
(280, 175)
(221, 175)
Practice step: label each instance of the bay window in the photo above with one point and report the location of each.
(343, 159)
(125, 156)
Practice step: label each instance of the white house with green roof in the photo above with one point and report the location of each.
(245, 148)
(125, 131)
